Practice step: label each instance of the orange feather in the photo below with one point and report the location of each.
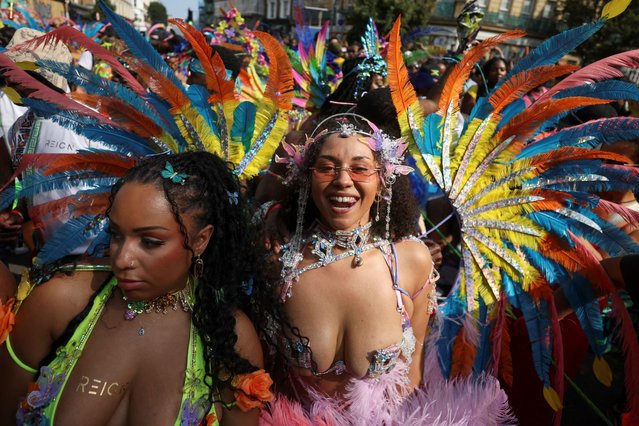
(279, 85)
(524, 124)
(463, 356)
(521, 83)
(402, 90)
(214, 69)
(121, 114)
(459, 75)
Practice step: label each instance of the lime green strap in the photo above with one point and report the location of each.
(17, 360)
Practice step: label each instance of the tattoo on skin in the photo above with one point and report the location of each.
(99, 387)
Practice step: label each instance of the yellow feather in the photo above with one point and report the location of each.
(602, 371)
(614, 8)
(552, 398)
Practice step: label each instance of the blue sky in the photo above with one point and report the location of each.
(178, 8)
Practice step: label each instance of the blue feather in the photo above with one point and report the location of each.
(73, 234)
(117, 139)
(244, 124)
(94, 84)
(432, 135)
(453, 313)
(139, 46)
(554, 48)
(31, 22)
(484, 352)
(579, 294)
(588, 135)
(608, 89)
(34, 183)
(538, 324)
(510, 111)
(99, 247)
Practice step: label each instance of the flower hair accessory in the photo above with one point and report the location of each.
(172, 175)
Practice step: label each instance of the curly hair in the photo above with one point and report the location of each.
(404, 213)
(210, 195)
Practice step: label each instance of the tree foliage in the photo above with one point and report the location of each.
(415, 14)
(620, 34)
(157, 12)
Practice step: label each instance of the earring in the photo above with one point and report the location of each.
(378, 197)
(198, 267)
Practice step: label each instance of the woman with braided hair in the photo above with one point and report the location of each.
(161, 338)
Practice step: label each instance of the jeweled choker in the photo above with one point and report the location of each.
(354, 240)
(182, 298)
(323, 241)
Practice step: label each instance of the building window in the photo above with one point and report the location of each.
(285, 7)
(271, 9)
(527, 7)
(504, 5)
(549, 9)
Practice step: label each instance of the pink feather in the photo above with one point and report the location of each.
(68, 34)
(37, 90)
(603, 69)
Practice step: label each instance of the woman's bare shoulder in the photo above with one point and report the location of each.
(55, 302)
(414, 261)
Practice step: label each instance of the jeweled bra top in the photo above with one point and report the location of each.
(382, 360)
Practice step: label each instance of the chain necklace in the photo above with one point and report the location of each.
(181, 298)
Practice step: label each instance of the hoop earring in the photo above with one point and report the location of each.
(198, 267)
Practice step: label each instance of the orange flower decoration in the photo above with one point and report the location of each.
(210, 419)
(252, 390)
(7, 319)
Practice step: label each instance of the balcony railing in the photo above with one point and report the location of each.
(527, 23)
(446, 10)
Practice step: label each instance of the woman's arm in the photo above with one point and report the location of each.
(248, 347)
(416, 266)
(41, 319)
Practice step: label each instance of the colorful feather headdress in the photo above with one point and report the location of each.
(373, 62)
(526, 201)
(144, 115)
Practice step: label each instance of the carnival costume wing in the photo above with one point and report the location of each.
(525, 198)
(314, 78)
(135, 122)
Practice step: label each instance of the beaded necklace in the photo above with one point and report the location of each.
(182, 298)
(323, 242)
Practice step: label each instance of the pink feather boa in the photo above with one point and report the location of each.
(386, 401)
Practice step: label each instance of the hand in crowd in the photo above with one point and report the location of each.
(435, 252)
(10, 225)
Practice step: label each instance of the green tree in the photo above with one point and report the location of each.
(618, 35)
(415, 14)
(157, 12)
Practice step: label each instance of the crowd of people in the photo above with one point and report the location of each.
(229, 227)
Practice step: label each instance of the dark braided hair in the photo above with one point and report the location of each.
(210, 194)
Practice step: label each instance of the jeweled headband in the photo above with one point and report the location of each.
(391, 150)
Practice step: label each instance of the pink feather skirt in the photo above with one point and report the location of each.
(387, 401)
